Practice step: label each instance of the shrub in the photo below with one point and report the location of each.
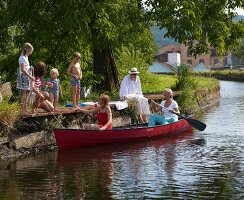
(9, 114)
(184, 78)
(128, 57)
(187, 84)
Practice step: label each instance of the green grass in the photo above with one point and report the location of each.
(221, 73)
(204, 83)
(155, 83)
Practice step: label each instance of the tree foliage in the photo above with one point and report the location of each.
(57, 28)
(199, 23)
(239, 52)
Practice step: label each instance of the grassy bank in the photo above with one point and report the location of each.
(235, 75)
(155, 83)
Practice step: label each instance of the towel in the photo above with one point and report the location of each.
(120, 105)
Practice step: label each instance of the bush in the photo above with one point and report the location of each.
(184, 78)
(9, 114)
(187, 84)
(128, 57)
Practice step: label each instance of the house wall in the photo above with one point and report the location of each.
(210, 59)
(174, 59)
(169, 49)
(163, 52)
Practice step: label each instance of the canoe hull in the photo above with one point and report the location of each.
(78, 138)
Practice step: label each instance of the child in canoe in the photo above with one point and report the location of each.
(104, 114)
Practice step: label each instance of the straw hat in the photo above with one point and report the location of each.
(133, 71)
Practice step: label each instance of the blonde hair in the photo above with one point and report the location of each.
(105, 99)
(27, 46)
(168, 90)
(76, 54)
(55, 71)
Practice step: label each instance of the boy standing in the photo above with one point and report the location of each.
(75, 74)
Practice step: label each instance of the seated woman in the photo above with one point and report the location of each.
(39, 98)
(104, 114)
(168, 107)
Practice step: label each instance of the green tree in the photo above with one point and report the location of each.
(56, 28)
(199, 23)
(239, 52)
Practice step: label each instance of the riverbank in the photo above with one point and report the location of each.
(228, 75)
(33, 134)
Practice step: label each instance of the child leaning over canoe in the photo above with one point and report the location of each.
(104, 114)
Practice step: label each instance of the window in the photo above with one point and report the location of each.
(189, 62)
(213, 53)
(225, 61)
(216, 61)
(189, 53)
(201, 61)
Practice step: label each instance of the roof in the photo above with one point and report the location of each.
(170, 44)
(200, 67)
(159, 67)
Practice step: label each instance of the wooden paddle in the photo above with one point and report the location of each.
(193, 122)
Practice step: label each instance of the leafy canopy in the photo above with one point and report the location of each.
(57, 28)
(199, 23)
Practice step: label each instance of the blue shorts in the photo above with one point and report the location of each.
(155, 119)
(75, 82)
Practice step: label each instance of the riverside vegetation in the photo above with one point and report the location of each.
(227, 74)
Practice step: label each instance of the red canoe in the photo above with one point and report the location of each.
(78, 138)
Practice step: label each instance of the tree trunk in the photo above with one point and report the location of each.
(104, 64)
(103, 60)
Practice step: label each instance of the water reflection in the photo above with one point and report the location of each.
(104, 166)
(28, 178)
(85, 170)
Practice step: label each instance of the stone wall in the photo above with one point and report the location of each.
(30, 124)
(208, 97)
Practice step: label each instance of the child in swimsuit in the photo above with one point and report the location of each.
(104, 114)
(39, 97)
(75, 73)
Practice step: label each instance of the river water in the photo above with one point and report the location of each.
(199, 165)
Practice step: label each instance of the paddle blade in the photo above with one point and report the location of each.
(196, 124)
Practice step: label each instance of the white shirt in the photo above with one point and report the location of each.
(130, 87)
(24, 60)
(172, 106)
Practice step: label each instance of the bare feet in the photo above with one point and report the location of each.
(76, 107)
(25, 112)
